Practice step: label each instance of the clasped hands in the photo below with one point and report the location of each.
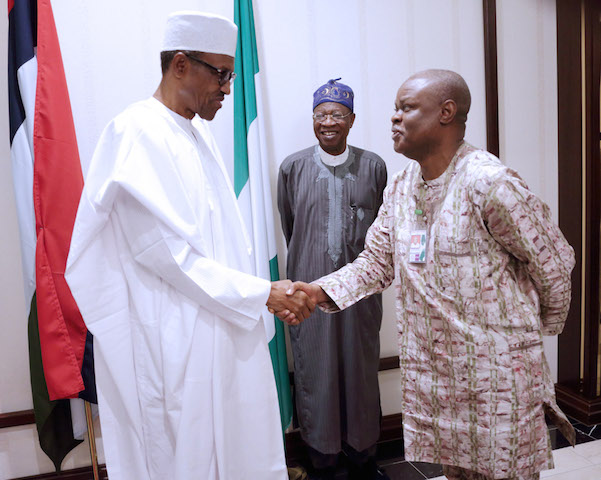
(294, 302)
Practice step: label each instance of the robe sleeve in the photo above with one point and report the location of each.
(232, 295)
(381, 179)
(138, 176)
(522, 224)
(371, 272)
(285, 202)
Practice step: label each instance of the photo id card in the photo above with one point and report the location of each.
(417, 248)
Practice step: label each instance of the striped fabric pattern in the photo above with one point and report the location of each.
(475, 384)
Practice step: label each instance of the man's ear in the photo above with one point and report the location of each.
(448, 111)
(179, 64)
(352, 120)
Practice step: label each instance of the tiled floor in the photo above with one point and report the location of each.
(580, 463)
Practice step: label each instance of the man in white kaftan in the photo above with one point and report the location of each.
(480, 273)
(160, 268)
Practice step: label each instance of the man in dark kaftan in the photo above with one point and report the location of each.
(328, 196)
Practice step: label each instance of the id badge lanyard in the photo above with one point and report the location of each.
(419, 236)
(427, 205)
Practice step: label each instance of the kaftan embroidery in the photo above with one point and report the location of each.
(325, 213)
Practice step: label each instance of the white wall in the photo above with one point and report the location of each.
(372, 45)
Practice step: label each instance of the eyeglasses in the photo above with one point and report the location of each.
(225, 76)
(337, 117)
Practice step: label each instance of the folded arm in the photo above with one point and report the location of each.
(522, 224)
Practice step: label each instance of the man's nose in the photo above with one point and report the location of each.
(328, 120)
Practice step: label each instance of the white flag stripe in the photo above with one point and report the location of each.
(21, 154)
(264, 171)
(22, 169)
(256, 206)
(78, 418)
(27, 77)
(252, 205)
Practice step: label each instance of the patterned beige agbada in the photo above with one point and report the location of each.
(475, 383)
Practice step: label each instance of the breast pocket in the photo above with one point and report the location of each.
(456, 263)
(361, 218)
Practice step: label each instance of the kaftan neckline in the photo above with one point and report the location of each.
(333, 160)
(429, 194)
(184, 123)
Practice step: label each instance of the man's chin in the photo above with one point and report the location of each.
(208, 115)
(399, 147)
(329, 143)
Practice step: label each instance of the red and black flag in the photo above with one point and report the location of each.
(48, 183)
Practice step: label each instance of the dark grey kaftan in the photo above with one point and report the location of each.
(325, 213)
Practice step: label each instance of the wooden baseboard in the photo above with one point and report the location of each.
(16, 419)
(84, 473)
(391, 428)
(574, 404)
(389, 363)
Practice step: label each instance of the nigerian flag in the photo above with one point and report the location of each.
(251, 183)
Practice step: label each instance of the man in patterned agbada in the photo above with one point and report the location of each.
(495, 278)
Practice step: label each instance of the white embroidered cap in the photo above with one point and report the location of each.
(200, 32)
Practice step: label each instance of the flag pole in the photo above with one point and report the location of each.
(91, 439)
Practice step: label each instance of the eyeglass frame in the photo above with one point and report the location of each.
(223, 74)
(331, 115)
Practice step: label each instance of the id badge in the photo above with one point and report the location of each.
(417, 248)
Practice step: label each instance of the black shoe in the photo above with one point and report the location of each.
(368, 471)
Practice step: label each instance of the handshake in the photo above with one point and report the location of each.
(294, 302)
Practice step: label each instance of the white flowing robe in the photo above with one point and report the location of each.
(160, 268)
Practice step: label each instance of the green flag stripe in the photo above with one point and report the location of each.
(245, 108)
(279, 359)
(277, 349)
(52, 418)
(273, 269)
